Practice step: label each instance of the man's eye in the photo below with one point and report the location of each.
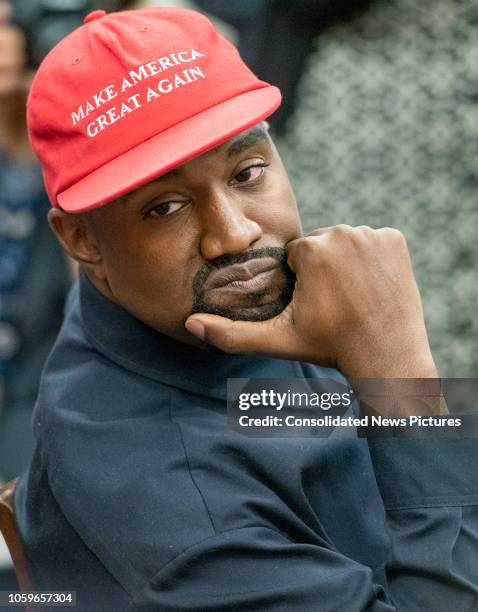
(251, 173)
(166, 208)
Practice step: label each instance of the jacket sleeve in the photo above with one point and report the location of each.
(430, 493)
(257, 568)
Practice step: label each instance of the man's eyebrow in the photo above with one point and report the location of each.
(246, 141)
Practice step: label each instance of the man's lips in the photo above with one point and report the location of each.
(252, 275)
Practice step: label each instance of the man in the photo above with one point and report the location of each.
(168, 190)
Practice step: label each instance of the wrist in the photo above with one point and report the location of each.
(390, 364)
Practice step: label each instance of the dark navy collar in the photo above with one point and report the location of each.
(131, 344)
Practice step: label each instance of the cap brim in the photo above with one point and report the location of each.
(169, 149)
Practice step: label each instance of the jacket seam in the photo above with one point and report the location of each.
(188, 463)
(215, 535)
(416, 505)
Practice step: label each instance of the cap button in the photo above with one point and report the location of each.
(94, 15)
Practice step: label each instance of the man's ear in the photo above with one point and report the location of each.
(76, 235)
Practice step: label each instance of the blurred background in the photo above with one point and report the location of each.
(379, 126)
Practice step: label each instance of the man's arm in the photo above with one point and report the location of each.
(430, 492)
(259, 569)
(356, 307)
(431, 565)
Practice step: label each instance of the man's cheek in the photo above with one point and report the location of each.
(171, 298)
(282, 221)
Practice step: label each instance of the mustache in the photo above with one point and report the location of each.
(229, 259)
(200, 304)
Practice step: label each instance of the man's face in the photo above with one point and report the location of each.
(208, 236)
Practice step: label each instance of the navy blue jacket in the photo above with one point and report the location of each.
(139, 499)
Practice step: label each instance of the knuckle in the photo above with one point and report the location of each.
(390, 231)
(308, 247)
(393, 238)
(365, 229)
(320, 231)
(397, 236)
(360, 236)
(292, 247)
(315, 232)
(342, 228)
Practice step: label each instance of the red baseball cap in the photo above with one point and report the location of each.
(128, 96)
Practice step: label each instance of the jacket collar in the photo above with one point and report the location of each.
(132, 345)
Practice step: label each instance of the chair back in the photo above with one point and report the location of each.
(13, 539)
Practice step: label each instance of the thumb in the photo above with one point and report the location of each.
(271, 336)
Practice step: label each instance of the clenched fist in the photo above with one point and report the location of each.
(355, 307)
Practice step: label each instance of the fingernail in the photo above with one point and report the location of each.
(196, 329)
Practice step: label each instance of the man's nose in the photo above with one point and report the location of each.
(227, 229)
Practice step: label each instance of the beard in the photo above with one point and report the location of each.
(254, 305)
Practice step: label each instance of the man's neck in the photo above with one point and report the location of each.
(100, 285)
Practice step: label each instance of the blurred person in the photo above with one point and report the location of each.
(168, 190)
(33, 273)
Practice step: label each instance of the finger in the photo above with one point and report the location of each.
(320, 231)
(271, 336)
(297, 249)
(300, 250)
